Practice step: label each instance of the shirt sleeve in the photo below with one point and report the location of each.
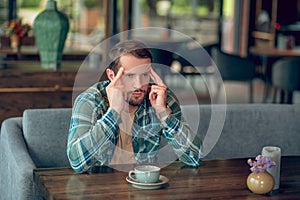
(91, 134)
(178, 134)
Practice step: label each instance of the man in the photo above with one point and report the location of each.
(121, 120)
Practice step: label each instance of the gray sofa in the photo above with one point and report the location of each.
(39, 137)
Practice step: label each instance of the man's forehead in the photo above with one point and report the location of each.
(138, 69)
(132, 64)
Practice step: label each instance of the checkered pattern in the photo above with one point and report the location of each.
(94, 131)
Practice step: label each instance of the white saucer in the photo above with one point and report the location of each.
(148, 186)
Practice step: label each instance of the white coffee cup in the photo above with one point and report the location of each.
(145, 174)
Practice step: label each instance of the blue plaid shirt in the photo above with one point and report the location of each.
(94, 131)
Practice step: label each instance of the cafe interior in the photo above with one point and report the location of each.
(237, 28)
(238, 55)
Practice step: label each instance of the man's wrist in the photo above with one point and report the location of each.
(164, 114)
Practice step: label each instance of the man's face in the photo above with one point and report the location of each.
(136, 78)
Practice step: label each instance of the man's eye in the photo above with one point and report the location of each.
(145, 74)
(129, 75)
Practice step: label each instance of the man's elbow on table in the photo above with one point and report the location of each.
(74, 161)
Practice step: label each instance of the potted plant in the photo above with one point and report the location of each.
(260, 181)
(16, 30)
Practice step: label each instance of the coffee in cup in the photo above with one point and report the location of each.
(145, 174)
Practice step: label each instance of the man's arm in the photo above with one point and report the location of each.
(179, 135)
(175, 130)
(91, 140)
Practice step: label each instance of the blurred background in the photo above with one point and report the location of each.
(244, 29)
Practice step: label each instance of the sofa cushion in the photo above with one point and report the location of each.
(46, 133)
(247, 129)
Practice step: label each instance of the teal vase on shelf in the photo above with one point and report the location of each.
(50, 30)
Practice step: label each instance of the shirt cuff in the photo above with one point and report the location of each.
(113, 115)
(164, 114)
(168, 122)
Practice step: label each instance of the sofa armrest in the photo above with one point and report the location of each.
(16, 164)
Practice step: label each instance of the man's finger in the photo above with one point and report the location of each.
(157, 88)
(118, 76)
(155, 77)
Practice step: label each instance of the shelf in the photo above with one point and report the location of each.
(265, 39)
(295, 27)
(263, 35)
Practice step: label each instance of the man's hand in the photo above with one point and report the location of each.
(158, 93)
(115, 92)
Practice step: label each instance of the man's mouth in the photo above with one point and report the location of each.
(137, 93)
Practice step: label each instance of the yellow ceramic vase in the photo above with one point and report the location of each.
(260, 182)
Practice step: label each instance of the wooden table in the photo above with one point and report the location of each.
(31, 53)
(217, 179)
(266, 54)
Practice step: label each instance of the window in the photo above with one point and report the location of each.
(197, 18)
(86, 19)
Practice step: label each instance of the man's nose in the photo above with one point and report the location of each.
(138, 82)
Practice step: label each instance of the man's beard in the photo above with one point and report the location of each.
(136, 101)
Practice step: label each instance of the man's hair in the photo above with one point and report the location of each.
(133, 47)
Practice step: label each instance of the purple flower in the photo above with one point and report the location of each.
(261, 164)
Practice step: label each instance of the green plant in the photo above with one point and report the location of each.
(30, 3)
(90, 3)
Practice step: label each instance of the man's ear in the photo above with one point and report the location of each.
(110, 74)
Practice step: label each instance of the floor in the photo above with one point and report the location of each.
(236, 92)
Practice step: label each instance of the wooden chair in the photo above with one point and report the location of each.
(196, 65)
(286, 78)
(235, 68)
